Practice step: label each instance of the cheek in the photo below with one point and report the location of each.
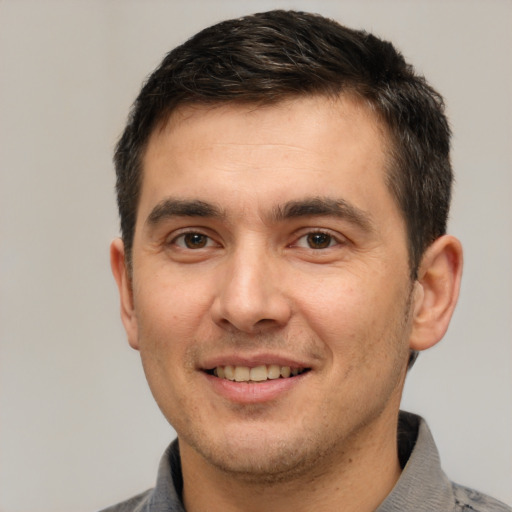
(357, 316)
(169, 307)
(335, 301)
(169, 321)
(335, 312)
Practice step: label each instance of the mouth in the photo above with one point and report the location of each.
(260, 373)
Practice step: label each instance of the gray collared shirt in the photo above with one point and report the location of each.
(422, 487)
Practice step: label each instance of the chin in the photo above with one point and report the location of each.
(256, 457)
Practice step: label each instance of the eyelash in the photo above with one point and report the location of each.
(332, 240)
(208, 240)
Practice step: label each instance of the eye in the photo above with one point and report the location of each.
(317, 240)
(193, 240)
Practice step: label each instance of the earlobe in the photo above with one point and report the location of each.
(124, 285)
(436, 292)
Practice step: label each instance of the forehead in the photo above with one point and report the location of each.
(345, 110)
(301, 146)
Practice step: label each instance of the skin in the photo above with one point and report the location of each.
(268, 235)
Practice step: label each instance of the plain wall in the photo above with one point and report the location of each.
(78, 427)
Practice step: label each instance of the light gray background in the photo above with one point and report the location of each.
(78, 427)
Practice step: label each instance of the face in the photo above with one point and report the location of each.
(270, 292)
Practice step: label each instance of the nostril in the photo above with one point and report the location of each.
(264, 322)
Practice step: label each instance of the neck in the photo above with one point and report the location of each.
(355, 477)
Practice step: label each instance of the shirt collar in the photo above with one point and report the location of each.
(422, 486)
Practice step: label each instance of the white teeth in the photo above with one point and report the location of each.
(242, 373)
(255, 374)
(273, 371)
(258, 373)
(229, 372)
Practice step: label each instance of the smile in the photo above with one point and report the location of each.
(257, 373)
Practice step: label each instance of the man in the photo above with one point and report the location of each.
(283, 186)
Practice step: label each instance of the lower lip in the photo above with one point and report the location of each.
(253, 392)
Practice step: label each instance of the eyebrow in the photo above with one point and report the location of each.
(170, 207)
(324, 206)
(307, 207)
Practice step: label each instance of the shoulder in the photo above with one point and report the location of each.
(135, 504)
(469, 500)
(166, 495)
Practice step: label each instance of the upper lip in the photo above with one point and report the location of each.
(253, 360)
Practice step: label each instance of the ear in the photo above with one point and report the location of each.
(124, 284)
(436, 292)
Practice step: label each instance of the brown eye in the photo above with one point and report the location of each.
(195, 240)
(192, 240)
(319, 240)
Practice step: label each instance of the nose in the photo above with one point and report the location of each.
(249, 295)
